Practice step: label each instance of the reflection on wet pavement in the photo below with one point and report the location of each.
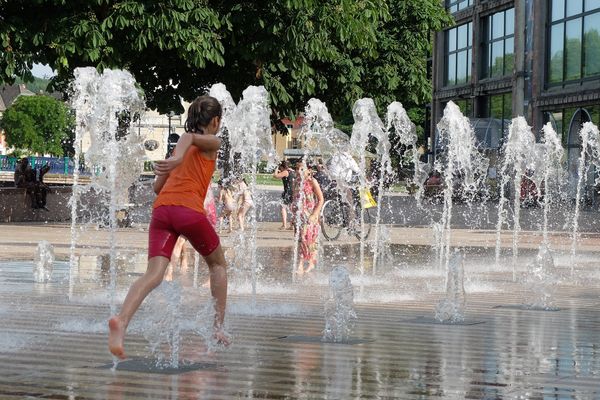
(53, 335)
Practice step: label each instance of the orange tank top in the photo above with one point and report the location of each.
(188, 183)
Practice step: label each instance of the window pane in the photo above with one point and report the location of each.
(451, 71)
(556, 53)
(496, 106)
(507, 112)
(497, 59)
(573, 49)
(462, 4)
(462, 37)
(451, 38)
(558, 10)
(470, 34)
(461, 67)
(468, 66)
(509, 56)
(591, 5)
(574, 7)
(592, 44)
(510, 22)
(498, 25)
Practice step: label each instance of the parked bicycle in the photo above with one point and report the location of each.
(336, 216)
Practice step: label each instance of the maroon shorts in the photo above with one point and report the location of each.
(168, 222)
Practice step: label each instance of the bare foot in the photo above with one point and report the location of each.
(222, 338)
(115, 337)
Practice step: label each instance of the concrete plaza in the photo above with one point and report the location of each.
(53, 335)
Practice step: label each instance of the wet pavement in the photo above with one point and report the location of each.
(53, 335)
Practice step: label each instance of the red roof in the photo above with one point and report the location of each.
(295, 123)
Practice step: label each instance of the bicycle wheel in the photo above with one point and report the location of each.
(332, 220)
(367, 224)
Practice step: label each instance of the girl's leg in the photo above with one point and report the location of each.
(217, 267)
(137, 293)
(184, 258)
(242, 215)
(204, 239)
(284, 216)
(311, 262)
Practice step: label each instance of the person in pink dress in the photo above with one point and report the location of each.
(306, 210)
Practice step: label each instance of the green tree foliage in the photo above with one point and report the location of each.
(38, 124)
(336, 50)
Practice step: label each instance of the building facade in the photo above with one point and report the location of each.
(506, 58)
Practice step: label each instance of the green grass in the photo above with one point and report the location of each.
(261, 179)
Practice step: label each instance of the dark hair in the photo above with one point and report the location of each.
(201, 112)
(283, 165)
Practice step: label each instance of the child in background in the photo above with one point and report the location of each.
(227, 205)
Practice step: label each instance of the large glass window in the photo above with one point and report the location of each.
(574, 51)
(459, 44)
(465, 106)
(457, 5)
(493, 116)
(500, 44)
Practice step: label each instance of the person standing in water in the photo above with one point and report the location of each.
(286, 174)
(306, 209)
(181, 184)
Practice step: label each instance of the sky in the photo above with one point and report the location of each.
(42, 71)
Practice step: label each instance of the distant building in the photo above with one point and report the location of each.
(504, 58)
(289, 144)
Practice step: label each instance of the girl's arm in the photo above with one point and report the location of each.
(317, 211)
(208, 143)
(280, 174)
(159, 182)
(163, 167)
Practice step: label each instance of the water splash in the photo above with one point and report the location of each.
(553, 172)
(339, 308)
(105, 105)
(163, 327)
(541, 280)
(251, 140)
(406, 144)
(590, 155)
(452, 308)
(44, 259)
(517, 155)
(463, 168)
(366, 123)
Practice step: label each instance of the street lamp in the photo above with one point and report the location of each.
(172, 137)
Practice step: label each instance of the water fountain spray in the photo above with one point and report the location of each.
(250, 137)
(590, 152)
(339, 308)
(463, 168)
(42, 270)
(108, 102)
(553, 172)
(366, 123)
(541, 280)
(406, 144)
(452, 308)
(318, 138)
(517, 155)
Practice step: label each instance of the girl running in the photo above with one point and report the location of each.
(181, 184)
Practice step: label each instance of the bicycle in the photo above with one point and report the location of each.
(335, 216)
